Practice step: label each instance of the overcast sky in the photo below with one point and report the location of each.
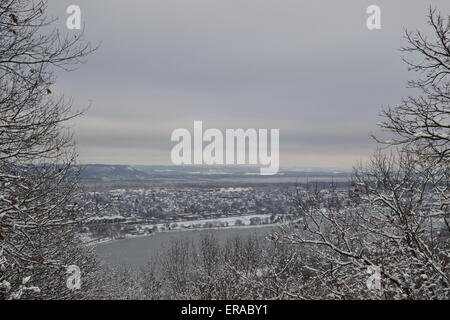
(310, 68)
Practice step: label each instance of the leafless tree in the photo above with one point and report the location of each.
(423, 121)
(421, 124)
(391, 223)
(396, 214)
(38, 182)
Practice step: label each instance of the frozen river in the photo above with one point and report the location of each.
(136, 252)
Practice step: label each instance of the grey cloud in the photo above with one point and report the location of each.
(310, 68)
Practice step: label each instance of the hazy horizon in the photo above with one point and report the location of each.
(212, 167)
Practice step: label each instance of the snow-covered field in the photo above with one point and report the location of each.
(245, 221)
(236, 221)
